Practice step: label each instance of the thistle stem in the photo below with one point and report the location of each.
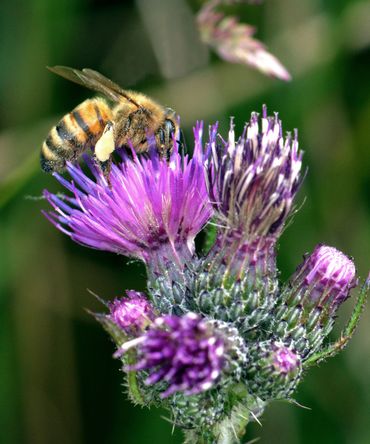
(229, 431)
(133, 386)
(232, 429)
(347, 333)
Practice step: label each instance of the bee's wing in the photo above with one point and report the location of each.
(95, 81)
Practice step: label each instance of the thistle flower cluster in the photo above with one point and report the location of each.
(217, 337)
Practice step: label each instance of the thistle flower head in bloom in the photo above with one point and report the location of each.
(252, 183)
(152, 209)
(184, 352)
(132, 313)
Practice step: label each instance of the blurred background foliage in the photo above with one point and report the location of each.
(58, 381)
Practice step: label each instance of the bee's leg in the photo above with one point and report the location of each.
(104, 149)
(182, 142)
(105, 167)
(105, 146)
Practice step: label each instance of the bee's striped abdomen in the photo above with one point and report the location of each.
(75, 133)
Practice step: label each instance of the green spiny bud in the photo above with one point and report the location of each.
(246, 303)
(274, 371)
(200, 411)
(309, 303)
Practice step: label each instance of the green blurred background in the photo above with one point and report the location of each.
(58, 381)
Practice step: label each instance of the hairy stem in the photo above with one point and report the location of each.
(132, 383)
(233, 428)
(347, 333)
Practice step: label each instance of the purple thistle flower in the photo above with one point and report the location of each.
(152, 209)
(185, 352)
(252, 183)
(233, 41)
(324, 279)
(132, 313)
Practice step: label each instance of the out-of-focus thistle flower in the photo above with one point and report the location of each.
(219, 336)
(132, 313)
(234, 42)
(185, 353)
(152, 209)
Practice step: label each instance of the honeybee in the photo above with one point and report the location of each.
(104, 127)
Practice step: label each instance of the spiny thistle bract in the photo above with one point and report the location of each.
(218, 337)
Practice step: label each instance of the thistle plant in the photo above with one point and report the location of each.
(217, 336)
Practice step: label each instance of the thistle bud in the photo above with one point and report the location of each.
(131, 314)
(275, 370)
(309, 303)
(325, 278)
(200, 411)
